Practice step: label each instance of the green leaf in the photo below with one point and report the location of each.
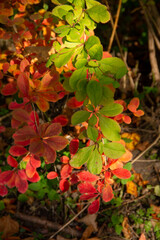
(118, 229)
(92, 40)
(91, 3)
(35, 186)
(113, 65)
(59, 2)
(67, 86)
(22, 198)
(69, 18)
(99, 13)
(61, 10)
(2, 205)
(79, 117)
(79, 3)
(76, 76)
(113, 150)
(157, 190)
(80, 95)
(93, 120)
(82, 84)
(63, 57)
(92, 133)
(96, 52)
(74, 35)
(109, 128)
(111, 110)
(80, 63)
(128, 166)
(107, 96)
(53, 195)
(62, 30)
(94, 163)
(82, 156)
(94, 91)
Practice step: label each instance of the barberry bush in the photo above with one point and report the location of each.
(53, 53)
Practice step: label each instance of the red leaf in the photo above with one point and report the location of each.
(5, 67)
(2, 129)
(94, 207)
(86, 188)
(87, 176)
(35, 178)
(85, 196)
(73, 103)
(9, 89)
(15, 105)
(24, 65)
(66, 171)
(52, 175)
(21, 115)
(30, 170)
(22, 185)
(22, 174)
(53, 130)
(64, 185)
(133, 105)
(122, 173)
(23, 134)
(73, 146)
(74, 178)
(126, 119)
(49, 154)
(142, 237)
(3, 191)
(56, 142)
(12, 161)
(62, 119)
(35, 161)
(23, 84)
(106, 55)
(107, 193)
(17, 150)
(34, 120)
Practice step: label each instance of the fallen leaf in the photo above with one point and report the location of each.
(62, 238)
(126, 228)
(132, 188)
(90, 220)
(142, 146)
(135, 140)
(8, 226)
(142, 237)
(139, 179)
(87, 233)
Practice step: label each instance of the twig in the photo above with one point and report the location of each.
(120, 49)
(149, 147)
(115, 25)
(45, 223)
(65, 225)
(5, 116)
(148, 160)
(152, 56)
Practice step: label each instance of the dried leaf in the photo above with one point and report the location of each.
(87, 233)
(8, 226)
(126, 229)
(90, 220)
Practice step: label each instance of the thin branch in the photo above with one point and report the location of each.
(45, 223)
(115, 25)
(5, 116)
(149, 147)
(65, 225)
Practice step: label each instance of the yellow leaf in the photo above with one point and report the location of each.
(132, 188)
(135, 140)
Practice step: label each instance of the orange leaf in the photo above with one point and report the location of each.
(133, 105)
(132, 188)
(142, 237)
(73, 103)
(52, 175)
(107, 193)
(121, 173)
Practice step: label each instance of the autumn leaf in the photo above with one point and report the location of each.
(132, 188)
(94, 207)
(107, 193)
(73, 146)
(8, 226)
(87, 176)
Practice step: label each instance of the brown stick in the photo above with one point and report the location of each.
(115, 25)
(141, 154)
(52, 225)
